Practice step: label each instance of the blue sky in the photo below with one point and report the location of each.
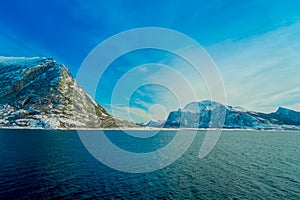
(255, 45)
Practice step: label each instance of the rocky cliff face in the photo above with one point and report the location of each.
(199, 115)
(40, 93)
(287, 116)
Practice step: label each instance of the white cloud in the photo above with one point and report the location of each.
(261, 73)
(158, 112)
(143, 69)
(128, 113)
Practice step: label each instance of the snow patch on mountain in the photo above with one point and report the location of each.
(210, 114)
(41, 93)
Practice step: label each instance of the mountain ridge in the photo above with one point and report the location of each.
(41, 93)
(200, 114)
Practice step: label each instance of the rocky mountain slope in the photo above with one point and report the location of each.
(199, 115)
(157, 124)
(40, 93)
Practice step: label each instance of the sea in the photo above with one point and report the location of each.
(41, 164)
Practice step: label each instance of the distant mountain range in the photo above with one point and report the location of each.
(40, 93)
(209, 114)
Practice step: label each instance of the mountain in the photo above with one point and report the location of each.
(40, 93)
(287, 116)
(157, 124)
(209, 114)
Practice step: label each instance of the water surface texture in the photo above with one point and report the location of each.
(243, 164)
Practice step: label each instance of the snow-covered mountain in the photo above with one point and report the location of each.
(157, 124)
(209, 114)
(40, 93)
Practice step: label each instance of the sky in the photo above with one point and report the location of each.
(255, 45)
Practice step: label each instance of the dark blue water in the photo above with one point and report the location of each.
(243, 165)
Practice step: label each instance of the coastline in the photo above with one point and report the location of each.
(146, 129)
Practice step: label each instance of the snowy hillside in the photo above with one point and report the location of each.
(207, 114)
(40, 93)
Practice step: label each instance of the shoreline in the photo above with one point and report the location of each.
(145, 129)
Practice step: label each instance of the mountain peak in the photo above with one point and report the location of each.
(207, 114)
(282, 109)
(39, 92)
(202, 105)
(288, 116)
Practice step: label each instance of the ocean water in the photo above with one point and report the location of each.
(243, 165)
